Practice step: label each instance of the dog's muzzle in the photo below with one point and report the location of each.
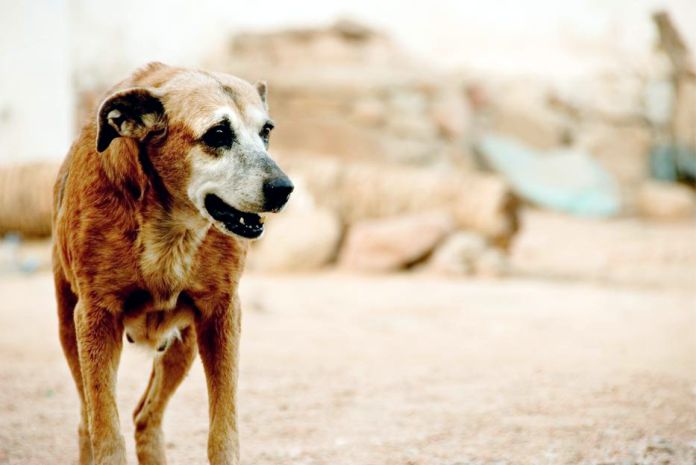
(246, 224)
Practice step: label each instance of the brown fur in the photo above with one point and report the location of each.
(130, 249)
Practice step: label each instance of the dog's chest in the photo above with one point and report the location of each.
(168, 252)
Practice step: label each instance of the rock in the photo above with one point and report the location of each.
(525, 116)
(458, 253)
(393, 243)
(450, 113)
(342, 43)
(348, 92)
(492, 263)
(666, 201)
(360, 191)
(297, 241)
(369, 112)
(303, 237)
(613, 97)
(624, 151)
(410, 126)
(413, 151)
(407, 117)
(407, 101)
(466, 252)
(329, 137)
(487, 205)
(685, 112)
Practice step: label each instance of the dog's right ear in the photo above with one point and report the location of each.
(262, 89)
(133, 113)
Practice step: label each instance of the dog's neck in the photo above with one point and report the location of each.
(169, 230)
(170, 234)
(168, 242)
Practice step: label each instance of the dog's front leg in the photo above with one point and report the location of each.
(218, 342)
(99, 342)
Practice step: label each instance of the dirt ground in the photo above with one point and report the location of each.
(406, 370)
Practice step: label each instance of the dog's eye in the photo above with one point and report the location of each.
(266, 132)
(219, 136)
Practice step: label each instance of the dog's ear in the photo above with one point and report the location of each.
(262, 89)
(133, 113)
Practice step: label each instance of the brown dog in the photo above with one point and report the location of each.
(152, 208)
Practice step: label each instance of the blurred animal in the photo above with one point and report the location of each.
(152, 209)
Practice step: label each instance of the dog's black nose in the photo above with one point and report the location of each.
(276, 192)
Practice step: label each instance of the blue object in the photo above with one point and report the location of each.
(565, 180)
(673, 163)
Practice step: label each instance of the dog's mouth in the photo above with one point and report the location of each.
(247, 225)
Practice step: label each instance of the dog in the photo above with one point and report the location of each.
(154, 207)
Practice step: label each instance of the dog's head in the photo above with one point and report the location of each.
(206, 138)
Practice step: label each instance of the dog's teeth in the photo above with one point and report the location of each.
(241, 219)
(261, 219)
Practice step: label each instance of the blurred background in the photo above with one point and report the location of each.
(492, 242)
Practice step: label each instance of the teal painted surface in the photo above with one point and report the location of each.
(565, 180)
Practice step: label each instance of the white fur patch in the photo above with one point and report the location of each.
(239, 185)
(169, 245)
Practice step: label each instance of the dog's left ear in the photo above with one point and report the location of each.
(133, 113)
(262, 89)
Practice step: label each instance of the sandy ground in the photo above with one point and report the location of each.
(403, 370)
